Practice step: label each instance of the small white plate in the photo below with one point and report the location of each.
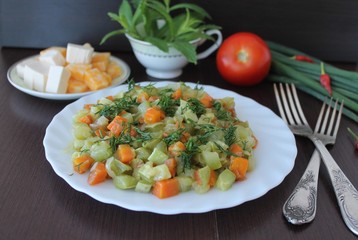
(274, 156)
(18, 82)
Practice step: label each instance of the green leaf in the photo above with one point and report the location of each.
(187, 49)
(159, 43)
(192, 7)
(111, 34)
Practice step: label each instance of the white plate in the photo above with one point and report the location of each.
(18, 82)
(275, 157)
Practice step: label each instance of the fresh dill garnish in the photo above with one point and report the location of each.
(174, 137)
(191, 148)
(196, 106)
(205, 131)
(144, 136)
(112, 110)
(123, 138)
(225, 151)
(221, 113)
(131, 84)
(229, 135)
(168, 105)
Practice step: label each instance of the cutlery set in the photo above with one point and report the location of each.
(300, 207)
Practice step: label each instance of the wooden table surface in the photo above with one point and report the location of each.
(35, 203)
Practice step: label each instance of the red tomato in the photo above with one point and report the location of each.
(243, 59)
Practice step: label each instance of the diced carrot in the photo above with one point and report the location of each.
(87, 106)
(185, 137)
(86, 119)
(100, 132)
(166, 188)
(207, 100)
(153, 98)
(172, 165)
(176, 149)
(142, 97)
(153, 115)
(125, 153)
(177, 94)
(239, 167)
(213, 178)
(110, 98)
(236, 149)
(97, 174)
(117, 125)
(82, 163)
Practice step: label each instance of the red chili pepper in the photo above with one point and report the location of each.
(325, 80)
(303, 58)
(355, 136)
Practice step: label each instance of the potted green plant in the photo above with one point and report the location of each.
(164, 37)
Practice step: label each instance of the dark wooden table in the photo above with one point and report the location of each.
(37, 204)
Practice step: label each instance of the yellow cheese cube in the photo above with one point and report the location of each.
(78, 70)
(95, 79)
(76, 86)
(114, 70)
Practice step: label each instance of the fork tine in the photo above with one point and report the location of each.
(333, 117)
(292, 104)
(338, 120)
(319, 120)
(297, 101)
(328, 110)
(286, 106)
(279, 104)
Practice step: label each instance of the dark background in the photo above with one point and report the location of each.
(325, 29)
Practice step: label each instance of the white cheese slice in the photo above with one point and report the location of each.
(79, 54)
(20, 68)
(57, 81)
(35, 75)
(52, 57)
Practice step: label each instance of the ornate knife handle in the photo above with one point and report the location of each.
(300, 206)
(346, 193)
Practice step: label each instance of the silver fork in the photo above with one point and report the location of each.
(346, 194)
(300, 206)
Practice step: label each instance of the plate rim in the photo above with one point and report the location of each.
(183, 209)
(65, 96)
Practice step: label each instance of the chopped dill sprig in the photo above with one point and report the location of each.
(206, 130)
(174, 137)
(110, 111)
(191, 148)
(221, 113)
(168, 105)
(229, 135)
(196, 106)
(144, 136)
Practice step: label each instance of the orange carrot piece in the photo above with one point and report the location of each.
(166, 188)
(82, 163)
(117, 125)
(236, 149)
(88, 106)
(177, 94)
(125, 153)
(86, 119)
(207, 100)
(143, 96)
(100, 132)
(176, 148)
(172, 166)
(213, 178)
(110, 98)
(153, 115)
(97, 174)
(239, 167)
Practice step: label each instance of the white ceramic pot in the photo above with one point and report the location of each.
(168, 65)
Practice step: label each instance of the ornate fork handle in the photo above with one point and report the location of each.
(300, 206)
(347, 195)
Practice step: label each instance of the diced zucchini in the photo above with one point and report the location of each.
(81, 131)
(147, 172)
(151, 143)
(161, 172)
(211, 159)
(190, 115)
(115, 167)
(157, 156)
(125, 181)
(100, 151)
(142, 153)
(185, 183)
(204, 175)
(199, 188)
(143, 186)
(225, 180)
